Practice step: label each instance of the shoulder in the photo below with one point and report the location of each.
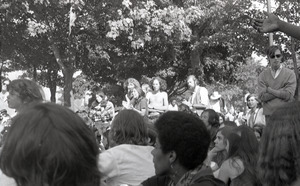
(233, 167)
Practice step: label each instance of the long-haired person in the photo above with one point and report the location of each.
(180, 150)
(211, 121)
(240, 167)
(21, 94)
(129, 161)
(51, 145)
(279, 157)
(220, 151)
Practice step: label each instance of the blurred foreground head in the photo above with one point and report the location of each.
(279, 158)
(49, 144)
(23, 92)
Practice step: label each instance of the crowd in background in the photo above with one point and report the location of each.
(154, 140)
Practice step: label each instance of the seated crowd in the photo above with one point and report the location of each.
(146, 143)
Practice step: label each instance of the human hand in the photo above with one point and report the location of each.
(270, 24)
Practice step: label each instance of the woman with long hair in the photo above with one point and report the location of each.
(211, 121)
(240, 167)
(279, 156)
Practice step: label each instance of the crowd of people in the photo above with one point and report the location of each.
(155, 140)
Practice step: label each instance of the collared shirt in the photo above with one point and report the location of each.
(277, 72)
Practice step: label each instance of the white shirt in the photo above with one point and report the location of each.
(126, 164)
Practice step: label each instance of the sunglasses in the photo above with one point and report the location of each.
(277, 56)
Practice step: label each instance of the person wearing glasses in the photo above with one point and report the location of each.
(277, 84)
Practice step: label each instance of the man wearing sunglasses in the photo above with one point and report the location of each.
(277, 84)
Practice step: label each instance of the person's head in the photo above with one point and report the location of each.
(252, 101)
(258, 130)
(146, 88)
(99, 95)
(221, 118)
(187, 145)
(275, 56)
(131, 83)
(23, 92)
(49, 144)
(192, 81)
(221, 142)
(173, 101)
(137, 92)
(279, 156)
(129, 127)
(158, 84)
(5, 83)
(210, 118)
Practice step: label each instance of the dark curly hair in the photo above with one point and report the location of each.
(185, 134)
(279, 156)
(162, 83)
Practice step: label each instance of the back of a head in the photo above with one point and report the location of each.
(129, 127)
(213, 118)
(279, 156)
(28, 90)
(49, 144)
(185, 134)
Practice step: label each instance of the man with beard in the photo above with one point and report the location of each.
(198, 100)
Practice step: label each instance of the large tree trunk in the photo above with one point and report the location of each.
(68, 79)
(67, 72)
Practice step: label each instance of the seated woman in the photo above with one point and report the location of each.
(129, 161)
(128, 86)
(219, 153)
(279, 156)
(139, 104)
(211, 121)
(178, 158)
(240, 166)
(49, 144)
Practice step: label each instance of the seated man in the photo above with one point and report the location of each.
(198, 99)
(158, 98)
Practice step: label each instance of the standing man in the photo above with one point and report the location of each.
(198, 100)
(277, 84)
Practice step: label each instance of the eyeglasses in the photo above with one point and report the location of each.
(277, 56)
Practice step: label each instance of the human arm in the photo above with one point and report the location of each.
(263, 95)
(287, 91)
(272, 24)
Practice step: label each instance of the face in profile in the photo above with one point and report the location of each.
(220, 144)
(204, 117)
(13, 100)
(156, 85)
(160, 160)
